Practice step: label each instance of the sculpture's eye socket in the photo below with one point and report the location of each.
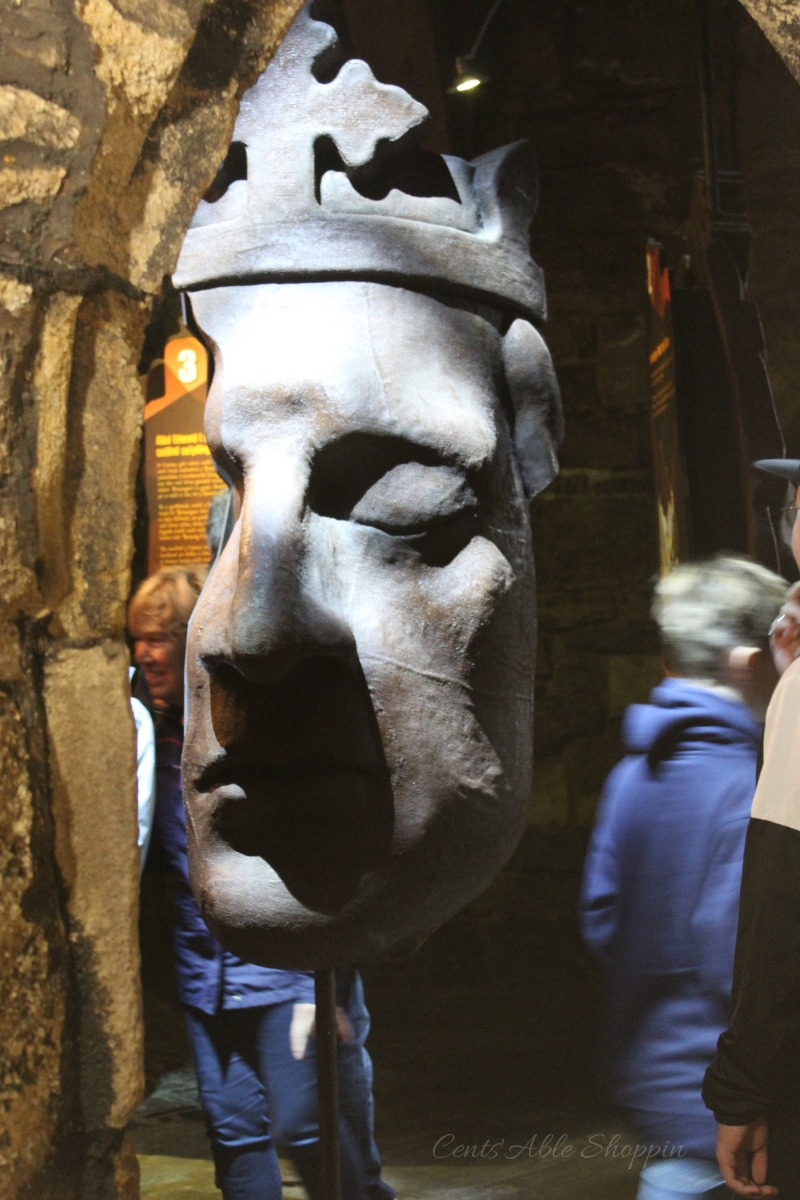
(402, 489)
(411, 498)
(432, 510)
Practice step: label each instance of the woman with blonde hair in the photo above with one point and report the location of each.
(158, 617)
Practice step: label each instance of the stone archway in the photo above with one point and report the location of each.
(113, 120)
(780, 20)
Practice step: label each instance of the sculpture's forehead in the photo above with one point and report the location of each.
(314, 360)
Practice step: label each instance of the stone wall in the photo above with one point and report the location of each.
(113, 120)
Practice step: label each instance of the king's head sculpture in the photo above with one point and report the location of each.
(360, 665)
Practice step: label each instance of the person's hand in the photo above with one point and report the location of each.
(302, 1028)
(742, 1158)
(343, 1027)
(784, 636)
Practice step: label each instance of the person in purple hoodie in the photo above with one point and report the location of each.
(661, 883)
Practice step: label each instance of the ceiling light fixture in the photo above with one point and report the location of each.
(466, 78)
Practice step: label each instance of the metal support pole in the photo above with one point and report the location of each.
(327, 1085)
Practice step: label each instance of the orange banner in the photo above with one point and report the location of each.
(180, 477)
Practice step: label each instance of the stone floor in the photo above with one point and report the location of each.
(505, 1073)
(175, 1161)
(170, 1178)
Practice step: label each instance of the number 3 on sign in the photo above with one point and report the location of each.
(187, 371)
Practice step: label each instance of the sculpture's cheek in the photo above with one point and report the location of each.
(414, 626)
(399, 609)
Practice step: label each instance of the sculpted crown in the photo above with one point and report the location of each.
(325, 180)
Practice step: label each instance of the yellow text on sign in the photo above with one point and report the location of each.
(181, 445)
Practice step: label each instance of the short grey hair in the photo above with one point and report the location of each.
(704, 609)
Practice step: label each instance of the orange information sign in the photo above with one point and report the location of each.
(180, 477)
(667, 466)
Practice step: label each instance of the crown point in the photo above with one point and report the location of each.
(330, 188)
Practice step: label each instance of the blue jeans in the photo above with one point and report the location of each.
(256, 1096)
(355, 1092)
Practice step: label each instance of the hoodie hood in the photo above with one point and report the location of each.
(679, 713)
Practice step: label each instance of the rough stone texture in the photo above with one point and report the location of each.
(79, 686)
(780, 20)
(33, 959)
(113, 120)
(26, 116)
(101, 454)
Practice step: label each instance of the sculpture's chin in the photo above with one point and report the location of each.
(288, 879)
(302, 781)
(321, 832)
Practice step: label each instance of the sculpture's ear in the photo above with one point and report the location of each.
(538, 419)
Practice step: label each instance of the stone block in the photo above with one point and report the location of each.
(28, 117)
(631, 678)
(778, 19)
(544, 655)
(581, 610)
(601, 481)
(546, 850)
(50, 393)
(93, 769)
(572, 703)
(631, 632)
(502, 899)
(34, 1064)
(453, 957)
(578, 383)
(587, 762)
(576, 205)
(622, 379)
(35, 184)
(609, 440)
(101, 439)
(534, 66)
(572, 139)
(549, 804)
(571, 340)
(575, 542)
(14, 296)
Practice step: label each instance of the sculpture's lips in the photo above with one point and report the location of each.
(302, 781)
(321, 830)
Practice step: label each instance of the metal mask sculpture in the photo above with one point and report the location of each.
(360, 664)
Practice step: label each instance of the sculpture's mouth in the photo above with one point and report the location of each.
(302, 782)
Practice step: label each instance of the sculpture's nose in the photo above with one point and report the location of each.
(273, 621)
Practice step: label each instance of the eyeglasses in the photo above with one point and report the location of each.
(791, 511)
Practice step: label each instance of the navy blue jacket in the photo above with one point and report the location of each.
(660, 896)
(209, 978)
